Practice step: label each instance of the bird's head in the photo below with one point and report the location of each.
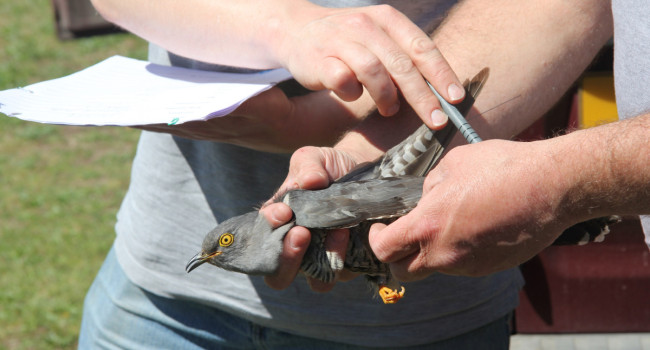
(245, 243)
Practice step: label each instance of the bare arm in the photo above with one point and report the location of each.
(495, 204)
(343, 50)
(535, 50)
(238, 33)
(603, 170)
(271, 122)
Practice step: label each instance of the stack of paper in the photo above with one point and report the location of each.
(124, 91)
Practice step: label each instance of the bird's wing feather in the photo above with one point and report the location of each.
(419, 152)
(348, 204)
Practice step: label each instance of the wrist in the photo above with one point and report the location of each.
(281, 26)
(586, 176)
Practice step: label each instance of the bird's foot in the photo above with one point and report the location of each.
(389, 295)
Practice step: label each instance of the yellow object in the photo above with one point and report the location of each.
(390, 296)
(597, 100)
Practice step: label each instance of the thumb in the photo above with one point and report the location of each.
(397, 244)
(294, 247)
(308, 169)
(392, 243)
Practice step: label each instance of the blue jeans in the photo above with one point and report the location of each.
(120, 315)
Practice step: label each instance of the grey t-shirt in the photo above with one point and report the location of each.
(632, 65)
(181, 188)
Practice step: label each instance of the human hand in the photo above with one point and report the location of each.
(310, 168)
(376, 48)
(486, 207)
(274, 123)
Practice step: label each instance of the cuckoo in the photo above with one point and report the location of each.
(380, 191)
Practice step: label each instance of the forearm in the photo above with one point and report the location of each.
(535, 50)
(531, 64)
(604, 170)
(376, 134)
(239, 33)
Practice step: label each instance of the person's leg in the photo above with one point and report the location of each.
(120, 315)
(493, 336)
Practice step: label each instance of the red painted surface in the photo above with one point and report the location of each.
(600, 287)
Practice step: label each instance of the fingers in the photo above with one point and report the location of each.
(366, 69)
(295, 245)
(277, 214)
(308, 168)
(402, 245)
(381, 49)
(336, 245)
(306, 171)
(414, 245)
(392, 243)
(401, 239)
(315, 167)
(338, 77)
(418, 56)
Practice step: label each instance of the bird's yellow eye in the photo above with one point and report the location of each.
(226, 239)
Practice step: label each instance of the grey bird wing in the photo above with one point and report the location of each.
(349, 203)
(419, 152)
(386, 188)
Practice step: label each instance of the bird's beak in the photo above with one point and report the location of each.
(199, 259)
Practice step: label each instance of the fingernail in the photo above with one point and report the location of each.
(455, 92)
(298, 240)
(294, 242)
(275, 213)
(438, 118)
(280, 215)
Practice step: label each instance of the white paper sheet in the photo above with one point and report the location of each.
(125, 91)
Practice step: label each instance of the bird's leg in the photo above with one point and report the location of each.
(389, 289)
(389, 295)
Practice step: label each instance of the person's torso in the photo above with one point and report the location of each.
(181, 188)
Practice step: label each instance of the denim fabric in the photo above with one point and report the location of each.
(120, 315)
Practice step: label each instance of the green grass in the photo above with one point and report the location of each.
(60, 187)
